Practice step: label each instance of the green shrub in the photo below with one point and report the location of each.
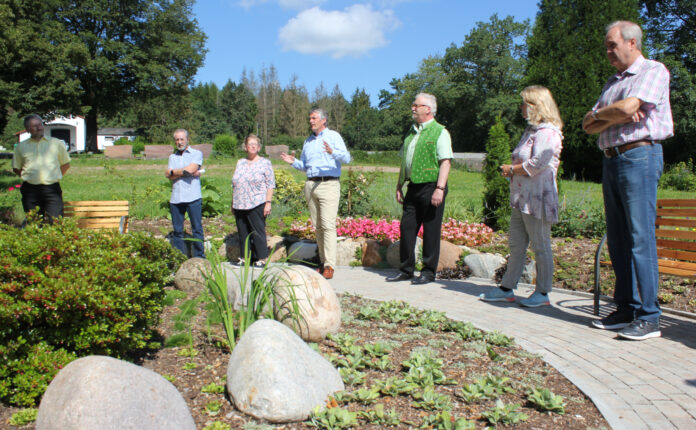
(355, 196)
(496, 196)
(578, 219)
(289, 192)
(67, 292)
(225, 144)
(122, 141)
(680, 176)
(138, 145)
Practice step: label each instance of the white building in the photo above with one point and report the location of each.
(73, 131)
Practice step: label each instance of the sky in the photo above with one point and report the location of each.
(352, 43)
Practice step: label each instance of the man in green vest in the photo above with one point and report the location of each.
(425, 164)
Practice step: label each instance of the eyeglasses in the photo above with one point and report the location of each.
(416, 105)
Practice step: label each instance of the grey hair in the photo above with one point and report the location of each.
(430, 101)
(629, 30)
(179, 130)
(322, 113)
(31, 117)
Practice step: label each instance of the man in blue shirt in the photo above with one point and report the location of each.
(184, 172)
(322, 155)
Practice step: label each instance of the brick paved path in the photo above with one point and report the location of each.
(636, 385)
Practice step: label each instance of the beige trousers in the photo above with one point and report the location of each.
(322, 199)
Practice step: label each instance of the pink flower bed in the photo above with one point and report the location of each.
(457, 232)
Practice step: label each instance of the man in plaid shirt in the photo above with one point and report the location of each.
(632, 116)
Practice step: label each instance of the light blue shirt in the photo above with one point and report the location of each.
(188, 188)
(315, 161)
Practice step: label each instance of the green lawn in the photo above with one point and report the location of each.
(144, 185)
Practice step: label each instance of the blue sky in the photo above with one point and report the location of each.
(350, 43)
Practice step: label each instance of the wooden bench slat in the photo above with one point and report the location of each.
(691, 203)
(99, 214)
(676, 212)
(675, 222)
(676, 234)
(675, 244)
(89, 213)
(98, 203)
(674, 254)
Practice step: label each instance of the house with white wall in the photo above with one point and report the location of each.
(73, 131)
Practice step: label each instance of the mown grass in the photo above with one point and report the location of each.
(144, 185)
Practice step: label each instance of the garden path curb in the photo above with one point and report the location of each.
(635, 385)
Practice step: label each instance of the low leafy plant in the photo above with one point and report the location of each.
(431, 400)
(466, 330)
(378, 416)
(365, 395)
(545, 400)
(333, 418)
(474, 392)
(505, 414)
(217, 425)
(351, 376)
(213, 388)
(213, 408)
(424, 369)
(24, 417)
(189, 365)
(446, 421)
(499, 339)
(378, 349)
(396, 386)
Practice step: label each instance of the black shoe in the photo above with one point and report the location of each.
(400, 277)
(641, 330)
(614, 321)
(422, 280)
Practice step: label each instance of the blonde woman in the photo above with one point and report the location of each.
(253, 183)
(533, 197)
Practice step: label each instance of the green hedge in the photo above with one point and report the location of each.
(67, 293)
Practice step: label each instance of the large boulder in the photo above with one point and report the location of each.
(370, 253)
(393, 253)
(319, 308)
(345, 250)
(104, 393)
(484, 265)
(303, 251)
(189, 277)
(449, 255)
(276, 249)
(273, 375)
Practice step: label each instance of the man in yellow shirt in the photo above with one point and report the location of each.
(41, 162)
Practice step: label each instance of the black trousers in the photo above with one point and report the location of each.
(251, 223)
(418, 211)
(48, 198)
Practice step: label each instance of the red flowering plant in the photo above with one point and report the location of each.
(457, 232)
(9, 201)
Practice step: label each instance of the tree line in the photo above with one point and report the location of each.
(132, 64)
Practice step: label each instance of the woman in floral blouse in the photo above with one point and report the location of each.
(533, 196)
(253, 183)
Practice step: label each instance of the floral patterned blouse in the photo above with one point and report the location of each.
(250, 182)
(539, 151)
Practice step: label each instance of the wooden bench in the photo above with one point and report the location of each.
(99, 214)
(675, 232)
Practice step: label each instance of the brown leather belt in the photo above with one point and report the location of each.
(616, 150)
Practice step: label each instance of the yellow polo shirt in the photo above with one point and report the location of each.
(40, 161)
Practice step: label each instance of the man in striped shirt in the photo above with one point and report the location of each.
(632, 117)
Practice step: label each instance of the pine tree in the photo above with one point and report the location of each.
(496, 196)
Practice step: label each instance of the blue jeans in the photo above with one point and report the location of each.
(178, 211)
(629, 183)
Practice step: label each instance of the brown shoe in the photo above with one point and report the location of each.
(328, 272)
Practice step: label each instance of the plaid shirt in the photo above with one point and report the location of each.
(648, 81)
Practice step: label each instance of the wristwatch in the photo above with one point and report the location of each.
(594, 115)
(512, 172)
(440, 188)
(171, 172)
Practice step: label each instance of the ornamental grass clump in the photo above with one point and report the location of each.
(263, 295)
(67, 293)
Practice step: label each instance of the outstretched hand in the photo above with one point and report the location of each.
(288, 158)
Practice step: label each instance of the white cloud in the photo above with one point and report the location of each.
(286, 4)
(351, 32)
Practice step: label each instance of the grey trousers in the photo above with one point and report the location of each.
(526, 229)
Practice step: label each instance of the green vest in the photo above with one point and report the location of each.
(425, 166)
